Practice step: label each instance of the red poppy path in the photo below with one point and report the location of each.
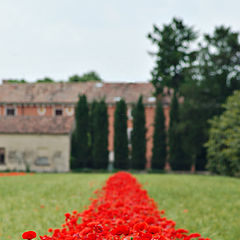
(6, 174)
(123, 210)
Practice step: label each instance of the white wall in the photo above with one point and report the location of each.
(22, 150)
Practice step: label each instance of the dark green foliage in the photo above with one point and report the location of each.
(223, 149)
(191, 127)
(100, 136)
(173, 54)
(159, 151)
(45, 80)
(219, 62)
(120, 136)
(194, 112)
(86, 77)
(176, 154)
(138, 160)
(213, 77)
(80, 138)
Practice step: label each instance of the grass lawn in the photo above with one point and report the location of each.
(205, 204)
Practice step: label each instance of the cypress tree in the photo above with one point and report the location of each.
(176, 155)
(138, 137)
(91, 133)
(120, 136)
(159, 151)
(100, 136)
(80, 137)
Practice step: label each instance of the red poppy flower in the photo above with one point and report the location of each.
(29, 235)
(67, 215)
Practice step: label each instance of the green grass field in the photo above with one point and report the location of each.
(205, 204)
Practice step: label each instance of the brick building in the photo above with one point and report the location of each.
(32, 108)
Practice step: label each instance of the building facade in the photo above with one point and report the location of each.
(52, 102)
(35, 143)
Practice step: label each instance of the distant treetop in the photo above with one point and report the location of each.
(45, 80)
(14, 81)
(86, 77)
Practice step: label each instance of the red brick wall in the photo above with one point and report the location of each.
(166, 111)
(28, 111)
(111, 110)
(32, 110)
(2, 110)
(149, 115)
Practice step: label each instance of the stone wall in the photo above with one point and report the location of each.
(40, 153)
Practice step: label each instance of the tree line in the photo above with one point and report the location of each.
(203, 71)
(85, 77)
(223, 145)
(90, 137)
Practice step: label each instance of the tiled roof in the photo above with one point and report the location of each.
(68, 92)
(36, 124)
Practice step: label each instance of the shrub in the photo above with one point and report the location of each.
(223, 146)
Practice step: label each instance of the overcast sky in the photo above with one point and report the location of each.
(59, 38)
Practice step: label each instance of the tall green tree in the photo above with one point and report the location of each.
(86, 77)
(176, 154)
(173, 54)
(100, 137)
(208, 82)
(120, 136)
(217, 70)
(138, 160)
(219, 63)
(81, 135)
(159, 151)
(193, 126)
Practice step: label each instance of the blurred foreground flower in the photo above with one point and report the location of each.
(29, 235)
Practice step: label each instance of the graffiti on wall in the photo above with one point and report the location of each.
(30, 158)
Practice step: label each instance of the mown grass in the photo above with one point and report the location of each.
(205, 204)
(209, 205)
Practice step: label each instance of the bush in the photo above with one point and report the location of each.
(223, 146)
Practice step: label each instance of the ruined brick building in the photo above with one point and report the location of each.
(37, 119)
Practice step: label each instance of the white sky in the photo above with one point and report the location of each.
(59, 38)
